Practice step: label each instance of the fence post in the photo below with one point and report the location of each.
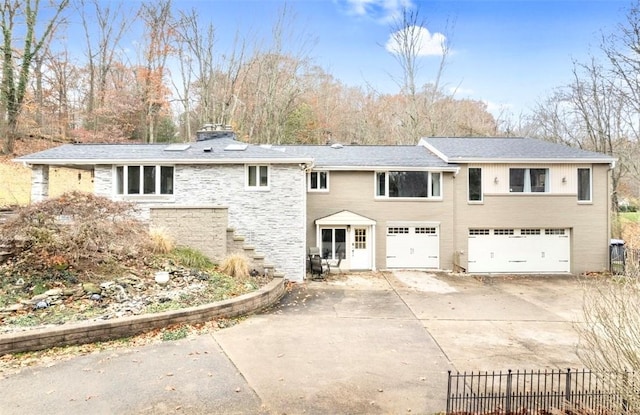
(625, 388)
(509, 390)
(449, 393)
(567, 396)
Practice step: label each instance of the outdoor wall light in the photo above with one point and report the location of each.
(564, 180)
(495, 180)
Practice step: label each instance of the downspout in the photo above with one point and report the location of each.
(454, 222)
(609, 191)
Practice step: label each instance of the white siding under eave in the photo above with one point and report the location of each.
(562, 177)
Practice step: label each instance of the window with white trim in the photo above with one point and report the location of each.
(257, 177)
(528, 180)
(334, 243)
(318, 181)
(584, 185)
(475, 184)
(408, 184)
(144, 180)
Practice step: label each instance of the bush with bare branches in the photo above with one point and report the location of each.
(610, 333)
(74, 231)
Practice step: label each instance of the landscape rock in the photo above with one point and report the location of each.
(13, 308)
(41, 305)
(39, 297)
(91, 288)
(54, 292)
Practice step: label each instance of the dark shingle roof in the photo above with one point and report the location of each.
(360, 156)
(468, 149)
(141, 153)
(434, 152)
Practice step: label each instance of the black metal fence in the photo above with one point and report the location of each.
(536, 392)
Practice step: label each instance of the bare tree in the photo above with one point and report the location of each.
(59, 82)
(104, 26)
(408, 40)
(210, 80)
(16, 66)
(592, 113)
(159, 34)
(272, 83)
(610, 334)
(622, 48)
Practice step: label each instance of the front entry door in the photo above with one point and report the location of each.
(360, 248)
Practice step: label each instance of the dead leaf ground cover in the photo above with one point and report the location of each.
(80, 257)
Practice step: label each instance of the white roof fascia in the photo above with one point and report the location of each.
(535, 160)
(59, 162)
(345, 217)
(385, 168)
(434, 150)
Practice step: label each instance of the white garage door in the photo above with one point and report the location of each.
(519, 250)
(413, 247)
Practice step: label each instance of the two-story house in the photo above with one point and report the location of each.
(480, 205)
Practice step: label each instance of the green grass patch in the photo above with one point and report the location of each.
(190, 258)
(27, 320)
(175, 333)
(630, 216)
(165, 306)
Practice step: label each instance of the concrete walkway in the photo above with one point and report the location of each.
(363, 343)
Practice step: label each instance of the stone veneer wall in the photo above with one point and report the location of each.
(200, 227)
(103, 180)
(273, 221)
(39, 182)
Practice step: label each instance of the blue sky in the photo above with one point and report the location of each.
(506, 52)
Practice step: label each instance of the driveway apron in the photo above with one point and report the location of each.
(340, 348)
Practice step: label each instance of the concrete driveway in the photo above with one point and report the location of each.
(377, 343)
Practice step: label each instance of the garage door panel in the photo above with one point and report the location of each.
(522, 251)
(413, 247)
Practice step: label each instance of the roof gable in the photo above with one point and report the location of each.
(345, 217)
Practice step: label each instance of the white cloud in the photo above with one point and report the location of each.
(498, 110)
(461, 92)
(427, 44)
(383, 11)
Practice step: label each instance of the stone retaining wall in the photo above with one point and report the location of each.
(91, 332)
